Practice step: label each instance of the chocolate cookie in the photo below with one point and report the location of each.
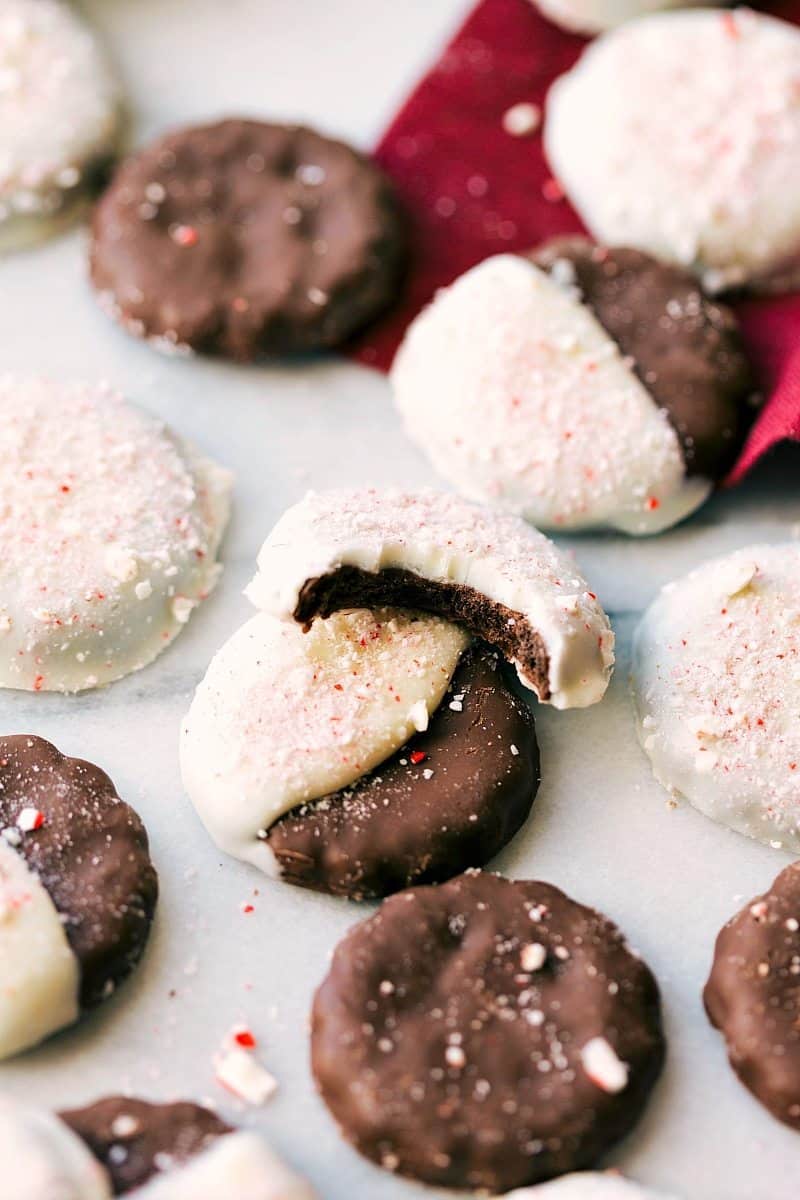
(434, 552)
(160, 1151)
(243, 239)
(685, 348)
(486, 1034)
(578, 387)
(753, 995)
(77, 887)
(452, 797)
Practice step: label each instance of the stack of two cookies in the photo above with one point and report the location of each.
(363, 734)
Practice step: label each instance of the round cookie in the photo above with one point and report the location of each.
(588, 1185)
(77, 890)
(244, 239)
(595, 16)
(485, 1034)
(715, 670)
(752, 995)
(44, 1160)
(59, 116)
(585, 388)
(180, 1152)
(361, 757)
(432, 552)
(632, 128)
(109, 531)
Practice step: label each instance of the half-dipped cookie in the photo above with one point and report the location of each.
(44, 1160)
(373, 752)
(243, 239)
(660, 146)
(580, 387)
(716, 670)
(486, 1034)
(77, 890)
(109, 530)
(59, 117)
(432, 552)
(753, 995)
(180, 1151)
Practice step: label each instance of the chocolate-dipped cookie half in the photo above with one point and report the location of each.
(77, 888)
(244, 239)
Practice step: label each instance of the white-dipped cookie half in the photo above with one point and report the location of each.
(716, 675)
(109, 530)
(44, 1160)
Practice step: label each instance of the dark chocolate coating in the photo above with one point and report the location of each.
(395, 828)
(243, 239)
(440, 967)
(753, 995)
(163, 1135)
(506, 630)
(686, 348)
(91, 855)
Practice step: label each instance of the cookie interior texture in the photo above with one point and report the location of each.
(90, 853)
(133, 1139)
(352, 587)
(686, 349)
(751, 995)
(435, 1008)
(244, 238)
(451, 798)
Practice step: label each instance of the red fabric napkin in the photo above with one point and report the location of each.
(472, 190)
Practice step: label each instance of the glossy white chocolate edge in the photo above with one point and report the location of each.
(44, 1160)
(284, 717)
(596, 16)
(520, 398)
(588, 1185)
(239, 1165)
(632, 128)
(59, 115)
(716, 676)
(39, 974)
(446, 539)
(109, 530)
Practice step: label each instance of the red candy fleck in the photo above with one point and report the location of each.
(243, 1037)
(185, 235)
(552, 191)
(37, 683)
(417, 756)
(653, 503)
(247, 908)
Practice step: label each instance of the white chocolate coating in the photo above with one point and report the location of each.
(448, 540)
(521, 399)
(59, 113)
(109, 531)
(44, 1160)
(679, 134)
(588, 1185)
(239, 1165)
(717, 680)
(283, 717)
(39, 974)
(596, 16)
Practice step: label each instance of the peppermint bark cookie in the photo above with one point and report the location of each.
(689, 165)
(245, 239)
(485, 1034)
(487, 571)
(77, 890)
(59, 116)
(366, 755)
(584, 388)
(752, 995)
(109, 531)
(716, 667)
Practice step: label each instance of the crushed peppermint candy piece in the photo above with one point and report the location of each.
(533, 956)
(603, 1067)
(240, 1072)
(522, 120)
(30, 819)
